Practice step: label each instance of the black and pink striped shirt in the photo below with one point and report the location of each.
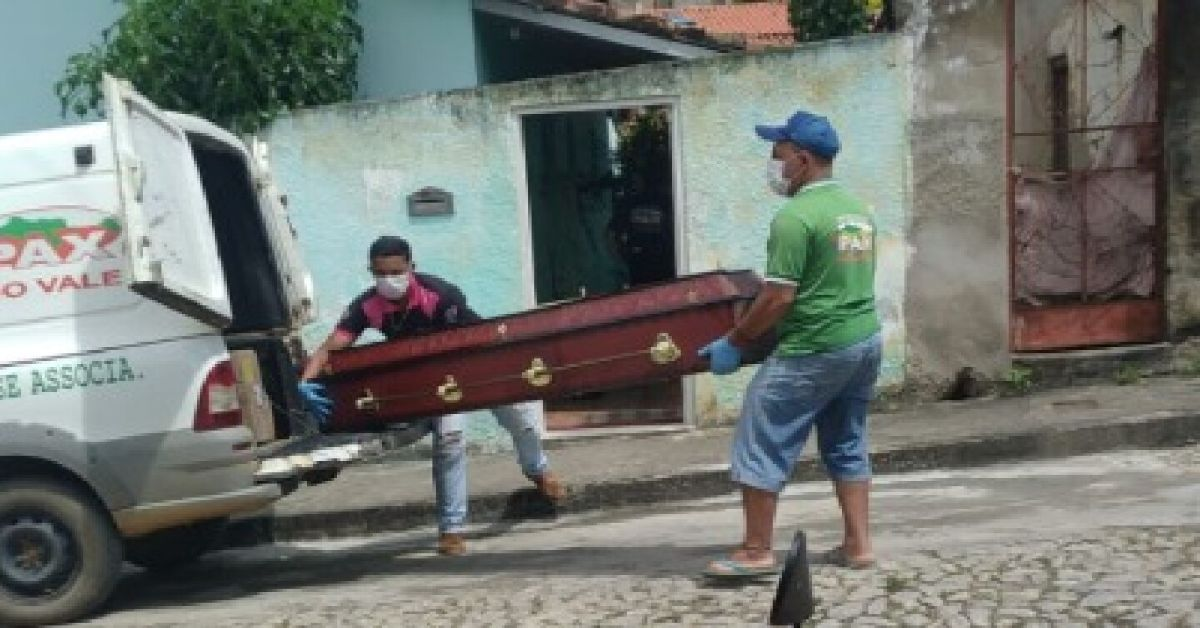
(431, 304)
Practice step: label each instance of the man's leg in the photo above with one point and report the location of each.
(450, 482)
(775, 422)
(842, 440)
(521, 422)
(853, 498)
(758, 514)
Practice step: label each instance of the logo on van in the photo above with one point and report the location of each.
(56, 250)
(28, 243)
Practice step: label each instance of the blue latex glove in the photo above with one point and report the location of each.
(723, 357)
(317, 401)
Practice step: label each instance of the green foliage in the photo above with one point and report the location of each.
(1128, 374)
(1190, 367)
(238, 63)
(815, 20)
(1019, 378)
(644, 151)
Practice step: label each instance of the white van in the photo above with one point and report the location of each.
(135, 254)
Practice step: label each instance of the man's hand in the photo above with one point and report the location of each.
(723, 357)
(317, 401)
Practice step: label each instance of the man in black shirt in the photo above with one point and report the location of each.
(402, 303)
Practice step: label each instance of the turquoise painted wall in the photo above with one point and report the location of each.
(414, 46)
(35, 40)
(409, 47)
(349, 168)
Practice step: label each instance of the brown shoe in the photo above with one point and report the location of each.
(451, 544)
(550, 486)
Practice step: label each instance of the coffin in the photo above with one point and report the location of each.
(599, 343)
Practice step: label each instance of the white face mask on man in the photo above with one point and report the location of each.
(775, 178)
(392, 287)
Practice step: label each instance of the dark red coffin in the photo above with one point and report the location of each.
(598, 343)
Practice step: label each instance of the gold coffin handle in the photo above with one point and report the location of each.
(664, 350)
(450, 391)
(538, 374)
(367, 402)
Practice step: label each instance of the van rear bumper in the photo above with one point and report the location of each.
(144, 519)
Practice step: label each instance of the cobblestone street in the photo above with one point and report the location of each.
(1102, 540)
(1143, 577)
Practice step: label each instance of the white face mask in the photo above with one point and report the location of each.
(392, 287)
(776, 179)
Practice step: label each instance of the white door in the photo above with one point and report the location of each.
(172, 246)
(297, 281)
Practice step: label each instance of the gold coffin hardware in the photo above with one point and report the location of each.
(538, 375)
(664, 350)
(450, 392)
(367, 403)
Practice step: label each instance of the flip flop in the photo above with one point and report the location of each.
(837, 556)
(729, 568)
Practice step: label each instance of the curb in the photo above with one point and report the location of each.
(1158, 430)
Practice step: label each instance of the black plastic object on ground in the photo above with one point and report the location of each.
(794, 603)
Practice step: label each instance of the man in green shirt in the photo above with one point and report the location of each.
(819, 295)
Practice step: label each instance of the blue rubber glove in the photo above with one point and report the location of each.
(317, 401)
(723, 357)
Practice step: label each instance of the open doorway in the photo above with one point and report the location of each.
(602, 219)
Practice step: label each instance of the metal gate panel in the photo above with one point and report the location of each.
(1084, 172)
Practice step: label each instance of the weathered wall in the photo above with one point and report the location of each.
(1182, 139)
(349, 168)
(957, 301)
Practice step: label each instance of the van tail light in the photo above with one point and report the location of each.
(218, 406)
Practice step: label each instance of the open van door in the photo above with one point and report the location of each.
(298, 283)
(172, 247)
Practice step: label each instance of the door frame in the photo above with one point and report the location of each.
(679, 207)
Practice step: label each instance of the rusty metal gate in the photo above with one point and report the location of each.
(1084, 157)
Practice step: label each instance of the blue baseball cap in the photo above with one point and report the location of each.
(806, 130)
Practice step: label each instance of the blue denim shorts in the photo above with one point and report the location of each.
(787, 396)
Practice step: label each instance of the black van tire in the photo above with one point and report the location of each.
(173, 548)
(59, 523)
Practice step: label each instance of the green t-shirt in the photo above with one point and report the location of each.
(823, 242)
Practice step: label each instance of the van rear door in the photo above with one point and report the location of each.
(297, 281)
(169, 231)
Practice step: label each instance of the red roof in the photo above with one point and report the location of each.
(762, 24)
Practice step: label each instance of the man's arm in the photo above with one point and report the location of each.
(773, 302)
(317, 361)
(786, 252)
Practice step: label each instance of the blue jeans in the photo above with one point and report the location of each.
(450, 457)
(787, 396)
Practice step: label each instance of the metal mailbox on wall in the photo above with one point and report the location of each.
(430, 202)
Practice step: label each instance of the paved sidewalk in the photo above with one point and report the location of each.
(629, 470)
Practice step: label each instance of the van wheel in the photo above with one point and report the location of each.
(60, 555)
(173, 548)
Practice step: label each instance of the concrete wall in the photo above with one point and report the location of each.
(414, 46)
(349, 168)
(957, 301)
(35, 40)
(1182, 202)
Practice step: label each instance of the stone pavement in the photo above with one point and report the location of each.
(1132, 577)
(611, 472)
(1109, 539)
